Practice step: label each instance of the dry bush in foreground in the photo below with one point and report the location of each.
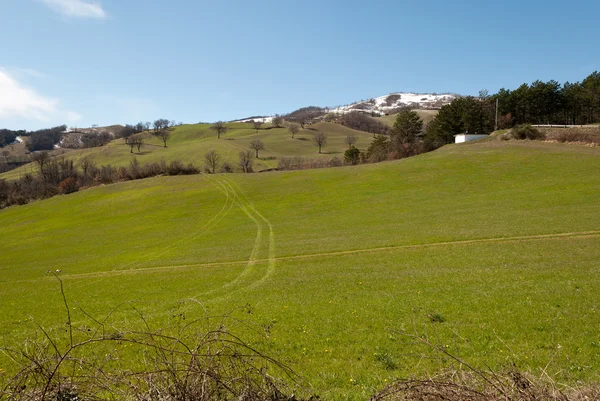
(198, 360)
(468, 382)
(452, 387)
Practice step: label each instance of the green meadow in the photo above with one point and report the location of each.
(189, 143)
(489, 249)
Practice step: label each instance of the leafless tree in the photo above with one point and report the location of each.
(246, 161)
(277, 121)
(41, 158)
(220, 127)
(351, 140)
(257, 145)
(293, 128)
(257, 124)
(160, 124)
(320, 139)
(212, 159)
(136, 140)
(303, 118)
(164, 134)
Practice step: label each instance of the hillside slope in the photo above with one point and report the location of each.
(189, 143)
(501, 240)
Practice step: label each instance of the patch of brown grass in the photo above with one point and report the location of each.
(583, 136)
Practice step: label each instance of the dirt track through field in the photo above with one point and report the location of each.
(274, 260)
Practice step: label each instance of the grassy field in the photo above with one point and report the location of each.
(426, 115)
(491, 249)
(189, 143)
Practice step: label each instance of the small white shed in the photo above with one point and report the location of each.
(461, 138)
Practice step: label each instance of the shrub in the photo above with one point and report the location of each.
(68, 185)
(335, 162)
(352, 156)
(526, 131)
(226, 168)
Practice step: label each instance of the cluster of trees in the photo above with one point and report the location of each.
(57, 175)
(45, 139)
(465, 114)
(362, 122)
(539, 103)
(551, 103)
(305, 115)
(7, 136)
(405, 139)
(135, 134)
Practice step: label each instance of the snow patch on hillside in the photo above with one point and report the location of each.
(385, 104)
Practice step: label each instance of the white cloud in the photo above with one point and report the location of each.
(18, 101)
(77, 8)
(27, 72)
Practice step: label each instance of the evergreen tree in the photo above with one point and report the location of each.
(407, 128)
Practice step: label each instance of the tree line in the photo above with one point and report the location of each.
(57, 175)
(536, 103)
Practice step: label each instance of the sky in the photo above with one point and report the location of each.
(85, 62)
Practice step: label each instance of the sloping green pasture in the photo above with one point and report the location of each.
(490, 249)
(189, 143)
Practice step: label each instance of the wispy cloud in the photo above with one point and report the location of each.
(77, 8)
(26, 72)
(19, 101)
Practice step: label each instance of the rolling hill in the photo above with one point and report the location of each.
(490, 249)
(189, 143)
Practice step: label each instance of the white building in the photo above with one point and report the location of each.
(461, 138)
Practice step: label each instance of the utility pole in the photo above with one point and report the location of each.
(496, 124)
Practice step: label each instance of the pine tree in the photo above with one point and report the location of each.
(407, 128)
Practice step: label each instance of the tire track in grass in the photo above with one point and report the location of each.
(227, 206)
(272, 258)
(254, 256)
(237, 285)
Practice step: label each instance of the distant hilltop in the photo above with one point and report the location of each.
(388, 104)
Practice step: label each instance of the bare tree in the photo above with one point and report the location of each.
(246, 161)
(212, 159)
(136, 140)
(257, 145)
(293, 128)
(303, 118)
(277, 121)
(41, 158)
(257, 124)
(220, 127)
(160, 124)
(164, 134)
(320, 139)
(351, 140)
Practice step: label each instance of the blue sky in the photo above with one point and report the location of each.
(84, 62)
